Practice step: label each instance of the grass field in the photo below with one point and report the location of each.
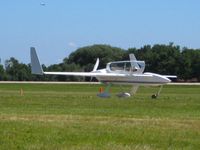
(72, 117)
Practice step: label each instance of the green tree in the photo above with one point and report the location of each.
(190, 64)
(17, 71)
(86, 56)
(2, 73)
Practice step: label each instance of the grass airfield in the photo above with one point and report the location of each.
(59, 116)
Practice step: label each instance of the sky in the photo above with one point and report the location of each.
(61, 26)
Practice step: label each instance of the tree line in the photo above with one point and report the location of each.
(160, 58)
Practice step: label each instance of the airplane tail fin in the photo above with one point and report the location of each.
(35, 64)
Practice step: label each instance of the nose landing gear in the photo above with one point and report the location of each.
(154, 96)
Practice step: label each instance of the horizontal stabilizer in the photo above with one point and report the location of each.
(35, 64)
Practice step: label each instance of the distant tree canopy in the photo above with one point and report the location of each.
(16, 71)
(159, 58)
(86, 56)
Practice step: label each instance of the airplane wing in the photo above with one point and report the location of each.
(91, 74)
(85, 74)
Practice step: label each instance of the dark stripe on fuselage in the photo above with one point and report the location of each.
(138, 82)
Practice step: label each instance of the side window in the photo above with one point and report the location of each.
(121, 66)
(117, 66)
(127, 66)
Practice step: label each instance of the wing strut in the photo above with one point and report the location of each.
(134, 89)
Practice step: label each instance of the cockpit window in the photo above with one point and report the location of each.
(126, 66)
(120, 66)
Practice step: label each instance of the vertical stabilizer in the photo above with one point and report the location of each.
(35, 64)
(96, 65)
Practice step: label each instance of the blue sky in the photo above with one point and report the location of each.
(61, 26)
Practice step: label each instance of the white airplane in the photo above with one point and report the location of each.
(118, 72)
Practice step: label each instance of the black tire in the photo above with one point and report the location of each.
(154, 96)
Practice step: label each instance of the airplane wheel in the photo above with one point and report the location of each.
(154, 96)
(123, 95)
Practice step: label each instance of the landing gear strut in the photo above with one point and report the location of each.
(154, 96)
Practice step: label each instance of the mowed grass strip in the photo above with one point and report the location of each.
(56, 131)
(72, 117)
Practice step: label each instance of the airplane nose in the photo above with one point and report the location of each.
(163, 79)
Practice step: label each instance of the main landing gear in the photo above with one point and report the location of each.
(106, 93)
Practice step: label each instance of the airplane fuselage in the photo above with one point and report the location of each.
(132, 78)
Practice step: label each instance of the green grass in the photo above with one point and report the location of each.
(52, 116)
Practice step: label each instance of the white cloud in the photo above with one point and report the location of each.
(72, 44)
